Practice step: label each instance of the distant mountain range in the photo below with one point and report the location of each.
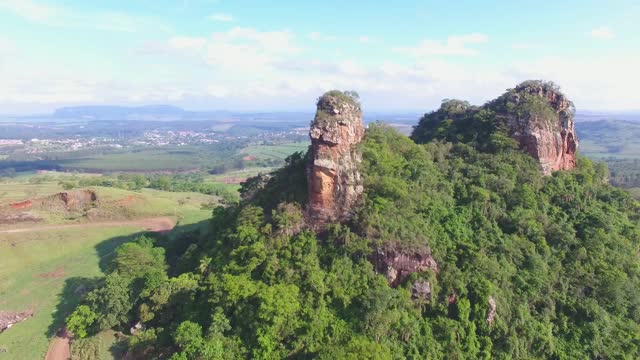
(174, 113)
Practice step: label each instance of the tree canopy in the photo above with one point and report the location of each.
(553, 257)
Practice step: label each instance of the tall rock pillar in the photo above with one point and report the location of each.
(334, 182)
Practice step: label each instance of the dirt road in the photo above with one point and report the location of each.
(59, 349)
(157, 224)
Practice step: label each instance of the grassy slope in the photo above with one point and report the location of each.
(25, 256)
(15, 191)
(22, 286)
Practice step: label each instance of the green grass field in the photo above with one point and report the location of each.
(43, 270)
(25, 283)
(14, 191)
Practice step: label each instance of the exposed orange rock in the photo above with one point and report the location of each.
(549, 138)
(334, 183)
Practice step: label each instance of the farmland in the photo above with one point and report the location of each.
(45, 265)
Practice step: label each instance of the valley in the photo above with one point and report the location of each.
(69, 199)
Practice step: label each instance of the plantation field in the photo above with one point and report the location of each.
(609, 139)
(277, 152)
(44, 266)
(153, 159)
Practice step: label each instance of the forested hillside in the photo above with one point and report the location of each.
(459, 247)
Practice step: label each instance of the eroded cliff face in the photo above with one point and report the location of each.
(397, 265)
(544, 129)
(334, 182)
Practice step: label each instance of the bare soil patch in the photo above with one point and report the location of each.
(20, 217)
(56, 274)
(21, 205)
(60, 346)
(128, 200)
(66, 202)
(233, 180)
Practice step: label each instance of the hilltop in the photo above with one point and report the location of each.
(484, 235)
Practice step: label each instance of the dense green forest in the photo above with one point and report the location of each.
(529, 266)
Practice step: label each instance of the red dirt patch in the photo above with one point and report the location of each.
(233, 180)
(21, 205)
(56, 274)
(161, 225)
(128, 200)
(249, 158)
(60, 346)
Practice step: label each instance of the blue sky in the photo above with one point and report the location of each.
(253, 55)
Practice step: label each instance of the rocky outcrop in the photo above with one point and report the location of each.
(8, 319)
(421, 290)
(397, 265)
(76, 199)
(535, 114)
(540, 119)
(334, 182)
(491, 311)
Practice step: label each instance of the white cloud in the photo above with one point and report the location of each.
(248, 69)
(217, 91)
(242, 49)
(7, 46)
(455, 45)
(59, 16)
(186, 43)
(30, 10)
(602, 33)
(316, 36)
(222, 17)
(364, 39)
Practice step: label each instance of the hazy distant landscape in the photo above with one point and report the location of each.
(147, 139)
